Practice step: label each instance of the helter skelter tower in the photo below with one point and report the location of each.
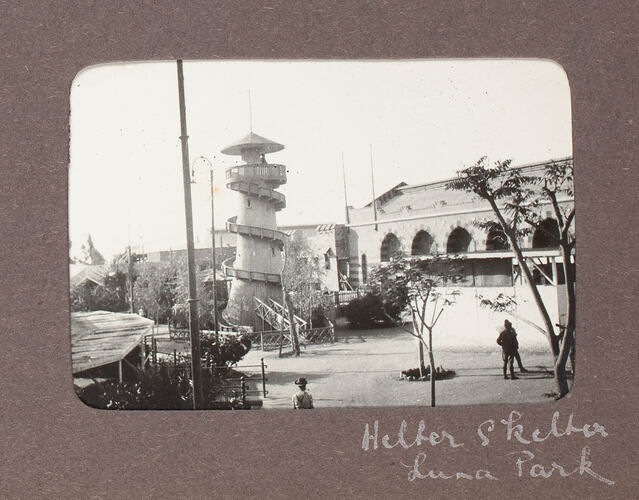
(256, 271)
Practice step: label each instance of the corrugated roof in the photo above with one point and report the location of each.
(99, 338)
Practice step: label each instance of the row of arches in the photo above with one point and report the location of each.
(546, 235)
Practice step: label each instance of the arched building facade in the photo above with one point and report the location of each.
(424, 219)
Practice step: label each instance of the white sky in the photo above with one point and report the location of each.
(424, 119)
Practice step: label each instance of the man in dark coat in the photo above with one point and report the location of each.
(508, 341)
(509, 326)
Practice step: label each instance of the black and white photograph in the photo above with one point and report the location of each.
(306, 234)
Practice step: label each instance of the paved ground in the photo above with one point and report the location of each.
(362, 369)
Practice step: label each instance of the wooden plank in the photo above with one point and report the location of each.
(99, 338)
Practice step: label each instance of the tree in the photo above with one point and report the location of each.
(426, 288)
(112, 296)
(155, 290)
(302, 275)
(90, 255)
(516, 201)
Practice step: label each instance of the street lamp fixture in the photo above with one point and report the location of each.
(213, 262)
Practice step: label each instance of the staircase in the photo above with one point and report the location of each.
(275, 315)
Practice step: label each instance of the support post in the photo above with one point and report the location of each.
(214, 264)
(263, 377)
(373, 188)
(194, 330)
(130, 284)
(142, 354)
(243, 384)
(154, 347)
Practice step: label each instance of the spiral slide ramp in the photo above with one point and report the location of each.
(256, 268)
(249, 181)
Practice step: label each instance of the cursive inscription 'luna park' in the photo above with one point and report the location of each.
(510, 429)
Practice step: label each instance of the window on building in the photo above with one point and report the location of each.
(458, 241)
(327, 261)
(390, 246)
(422, 243)
(493, 272)
(546, 235)
(496, 240)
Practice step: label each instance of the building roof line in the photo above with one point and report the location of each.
(486, 209)
(517, 167)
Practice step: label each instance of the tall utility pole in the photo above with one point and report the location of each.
(348, 219)
(130, 263)
(373, 188)
(217, 323)
(194, 329)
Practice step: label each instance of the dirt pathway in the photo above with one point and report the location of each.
(362, 369)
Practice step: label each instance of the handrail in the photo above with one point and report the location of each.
(260, 191)
(277, 310)
(231, 272)
(255, 231)
(276, 305)
(264, 171)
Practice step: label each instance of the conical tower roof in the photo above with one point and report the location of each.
(253, 141)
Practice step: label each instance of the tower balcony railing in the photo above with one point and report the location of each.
(258, 190)
(230, 272)
(256, 232)
(262, 171)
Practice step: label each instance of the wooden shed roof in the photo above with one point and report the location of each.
(79, 273)
(99, 337)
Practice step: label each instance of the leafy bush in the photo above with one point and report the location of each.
(370, 311)
(161, 387)
(231, 350)
(110, 297)
(167, 386)
(414, 374)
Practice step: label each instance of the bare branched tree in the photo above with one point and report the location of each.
(425, 287)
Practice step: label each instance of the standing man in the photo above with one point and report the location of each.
(508, 341)
(509, 325)
(302, 400)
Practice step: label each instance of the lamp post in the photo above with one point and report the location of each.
(213, 262)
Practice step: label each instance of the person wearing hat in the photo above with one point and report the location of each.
(508, 341)
(509, 326)
(302, 400)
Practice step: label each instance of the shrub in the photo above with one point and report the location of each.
(167, 386)
(414, 374)
(161, 387)
(369, 311)
(232, 349)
